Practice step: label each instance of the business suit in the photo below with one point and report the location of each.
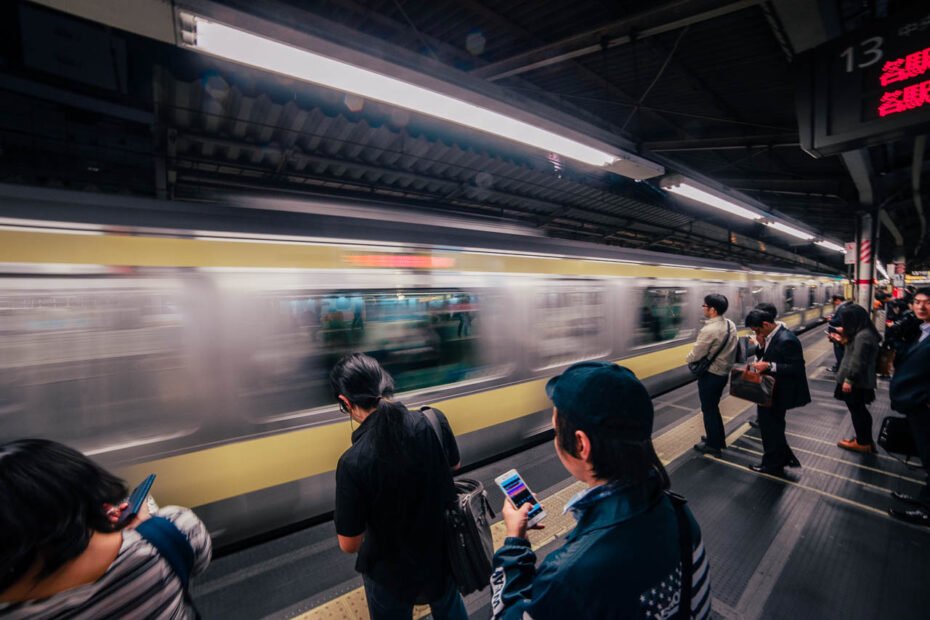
(783, 349)
(910, 395)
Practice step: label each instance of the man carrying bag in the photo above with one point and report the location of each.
(710, 360)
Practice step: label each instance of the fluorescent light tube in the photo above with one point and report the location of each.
(250, 49)
(882, 271)
(831, 246)
(689, 191)
(788, 230)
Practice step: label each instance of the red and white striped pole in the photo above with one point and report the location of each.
(865, 270)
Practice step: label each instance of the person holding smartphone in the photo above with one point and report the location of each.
(392, 487)
(624, 559)
(65, 551)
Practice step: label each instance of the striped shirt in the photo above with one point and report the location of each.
(138, 584)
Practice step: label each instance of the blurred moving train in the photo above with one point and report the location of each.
(203, 356)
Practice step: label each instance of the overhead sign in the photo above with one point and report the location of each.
(866, 88)
(850, 257)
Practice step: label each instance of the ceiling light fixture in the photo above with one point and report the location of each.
(688, 189)
(257, 51)
(788, 230)
(882, 271)
(831, 246)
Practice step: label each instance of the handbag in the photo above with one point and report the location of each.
(469, 545)
(174, 547)
(896, 436)
(750, 385)
(700, 367)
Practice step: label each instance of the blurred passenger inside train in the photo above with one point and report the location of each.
(65, 553)
(392, 486)
(855, 378)
(779, 353)
(633, 540)
(711, 359)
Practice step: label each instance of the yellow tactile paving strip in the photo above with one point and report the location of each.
(669, 446)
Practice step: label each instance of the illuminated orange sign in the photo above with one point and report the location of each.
(401, 261)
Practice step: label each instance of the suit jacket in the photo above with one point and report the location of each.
(790, 374)
(910, 385)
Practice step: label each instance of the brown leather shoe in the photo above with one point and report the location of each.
(855, 446)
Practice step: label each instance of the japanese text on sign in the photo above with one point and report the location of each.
(904, 99)
(901, 69)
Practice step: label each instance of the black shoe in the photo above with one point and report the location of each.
(907, 499)
(754, 423)
(771, 471)
(704, 439)
(793, 462)
(703, 448)
(917, 517)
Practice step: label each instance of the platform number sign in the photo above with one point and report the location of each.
(866, 88)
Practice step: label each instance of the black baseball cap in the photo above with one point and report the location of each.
(603, 397)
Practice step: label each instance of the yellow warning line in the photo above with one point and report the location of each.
(876, 487)
(844, 461)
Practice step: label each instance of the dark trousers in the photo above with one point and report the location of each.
(383, 604)
(862, 421)
(777, 453)
(710, 388)
(838, 351)
(920, 425)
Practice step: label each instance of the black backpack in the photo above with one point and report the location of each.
(469, 547)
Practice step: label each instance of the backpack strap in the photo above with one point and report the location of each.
(434, 422)
(171, 544)
(687, 554)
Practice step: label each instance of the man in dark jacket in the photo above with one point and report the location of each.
(624, 558)
(781, 356)
(910, 395)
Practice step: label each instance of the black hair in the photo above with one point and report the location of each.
(629, 462)
(757, 317)
(924, 290)
(853, 319)
(768, 308)
(717, 302)
(837, 298)
(363, 381)
(53, 499)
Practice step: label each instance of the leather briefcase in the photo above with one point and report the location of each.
(750, 385)
(896, 436)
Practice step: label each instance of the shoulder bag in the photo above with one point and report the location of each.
(469, 546)
(174, 547)
(750, 385)
(700, 367)
(896, 436)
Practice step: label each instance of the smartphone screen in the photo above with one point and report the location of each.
(136, 499)
(512, 484)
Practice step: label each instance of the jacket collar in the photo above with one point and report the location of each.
(610, 504)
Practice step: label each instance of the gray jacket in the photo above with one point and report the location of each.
(709, 339)
(858, 365)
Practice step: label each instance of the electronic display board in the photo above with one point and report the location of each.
(869, 87)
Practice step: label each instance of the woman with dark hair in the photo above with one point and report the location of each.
(392, 487)
(62, 552)
(855, 378)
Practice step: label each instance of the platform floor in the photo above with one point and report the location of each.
(817, 544)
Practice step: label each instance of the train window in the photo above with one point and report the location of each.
(827, 295)
(789, 299)
(422, 338)
(811, 296)
(660, 315)
(95, 364)
(571, 325)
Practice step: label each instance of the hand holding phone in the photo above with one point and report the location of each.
(136, 501)
(519, 494)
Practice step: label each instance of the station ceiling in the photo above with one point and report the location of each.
(698, 86)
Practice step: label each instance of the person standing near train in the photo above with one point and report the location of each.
(716, 343)
(782, 356)
(855, 378)
(392, 488)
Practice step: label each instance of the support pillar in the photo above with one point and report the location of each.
(864, 263)
(897, 275)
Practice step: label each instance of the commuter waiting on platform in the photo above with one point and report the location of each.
(839, 302)
(392, 488)
(855, 379)
(63, 553)
(716, 343)
(636, 551)
(759, 341)
(780, 354)
(910, 395)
